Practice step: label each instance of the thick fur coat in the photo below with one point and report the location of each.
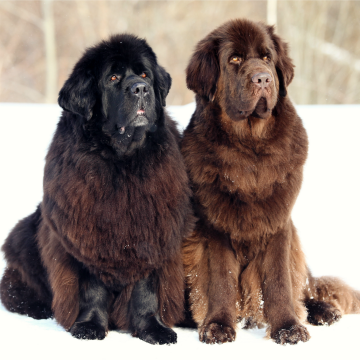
(103, 249)
(245, 149)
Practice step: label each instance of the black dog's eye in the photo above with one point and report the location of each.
(143, 75)
(113, 78)
(235, 60)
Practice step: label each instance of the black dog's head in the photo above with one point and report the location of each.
(120, 83)
(244, 66)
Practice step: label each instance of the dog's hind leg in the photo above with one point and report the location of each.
(322, 313)
(24, 287)
(328, 298)
(144, 319)
(18, 297)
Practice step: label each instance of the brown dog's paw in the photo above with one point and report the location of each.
(322, 313)
(215, 333)
(291, 335)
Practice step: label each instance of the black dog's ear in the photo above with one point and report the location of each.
(284, 65)
(163, 83)
(203, 70)
(78, 95)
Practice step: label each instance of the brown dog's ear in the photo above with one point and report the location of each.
(203, 70)
(284, 65)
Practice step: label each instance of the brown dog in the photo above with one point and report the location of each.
(245, 149)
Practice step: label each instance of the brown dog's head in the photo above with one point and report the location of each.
(242, 65)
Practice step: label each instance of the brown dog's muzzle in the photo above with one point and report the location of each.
(262, 79)
(251, 92)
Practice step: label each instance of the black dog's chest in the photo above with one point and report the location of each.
(114, 224)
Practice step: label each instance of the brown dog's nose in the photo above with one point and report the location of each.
(262, 79)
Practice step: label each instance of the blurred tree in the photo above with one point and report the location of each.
(34, 62)
(271, 15)
(325, 45)
(16, 22)
(50, 51)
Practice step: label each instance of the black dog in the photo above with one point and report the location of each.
(102, 251)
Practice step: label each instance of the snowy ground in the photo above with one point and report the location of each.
(326, 214)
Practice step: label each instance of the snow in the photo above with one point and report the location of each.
(326, 215)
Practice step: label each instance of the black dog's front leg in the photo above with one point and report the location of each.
(145, 322)
(92, 322)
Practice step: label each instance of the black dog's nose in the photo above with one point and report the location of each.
(262, 79)
(140, 89)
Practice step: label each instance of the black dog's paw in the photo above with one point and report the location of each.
(322, 313)
(291, 335)
(41, 312)
(88, 331)
(157, 334)
(215, 333)
(36, 310)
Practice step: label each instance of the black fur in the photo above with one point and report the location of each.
(103, 249)
(145, 321)
(93, 317)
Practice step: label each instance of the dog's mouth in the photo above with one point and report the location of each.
(261, 109)
(139, 120)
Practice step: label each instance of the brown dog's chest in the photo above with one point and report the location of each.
(251, 178)
(252, 194)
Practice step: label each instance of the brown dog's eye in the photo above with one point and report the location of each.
(266, 58)
(113, 78)
(143, 75)
(235, 60)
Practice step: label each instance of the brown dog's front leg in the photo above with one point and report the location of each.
(223, 272)
(284, 325)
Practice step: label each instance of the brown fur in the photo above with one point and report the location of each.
(245, 149)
